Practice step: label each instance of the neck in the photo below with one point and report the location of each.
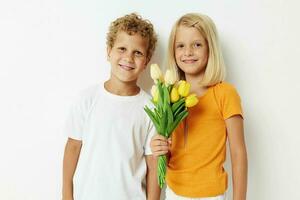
(121, 88)
(195, 80)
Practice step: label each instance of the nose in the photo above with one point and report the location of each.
(188, 51)
(128, 57)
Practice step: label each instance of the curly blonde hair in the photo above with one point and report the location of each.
(133, 24)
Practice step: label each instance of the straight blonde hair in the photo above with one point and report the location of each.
(215, 68)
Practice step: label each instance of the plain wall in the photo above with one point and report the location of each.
(50, 50)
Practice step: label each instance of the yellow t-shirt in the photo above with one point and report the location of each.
(195, 167)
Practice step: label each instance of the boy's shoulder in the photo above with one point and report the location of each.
(144, 93)
(146, 97)
(89, 92)
(86, 96)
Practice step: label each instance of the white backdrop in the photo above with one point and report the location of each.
(50, 50)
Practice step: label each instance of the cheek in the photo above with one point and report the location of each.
(112, 56)
(142, 62)
(177, 60)
(177, 56)
(204, 55)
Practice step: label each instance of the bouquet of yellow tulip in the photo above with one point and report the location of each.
(170, 99)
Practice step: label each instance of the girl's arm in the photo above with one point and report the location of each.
(153, 190)
(71, 155)
(238, 153)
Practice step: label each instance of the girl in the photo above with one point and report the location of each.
(197, 154)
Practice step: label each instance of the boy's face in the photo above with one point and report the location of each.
(128, 56)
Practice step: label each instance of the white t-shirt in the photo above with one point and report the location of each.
(115, 133)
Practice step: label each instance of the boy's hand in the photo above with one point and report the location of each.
(71, 198)
(160, 145)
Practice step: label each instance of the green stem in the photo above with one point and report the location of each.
(161, 170)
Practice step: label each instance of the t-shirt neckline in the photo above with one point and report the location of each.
(120, 97)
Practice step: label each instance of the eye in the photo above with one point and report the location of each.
(179, 46)
(138, 54)
(121, 49)
(197, 45)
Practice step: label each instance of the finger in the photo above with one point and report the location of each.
(160, 153)
(160, 143)
(160, 148)
(170, 143)
(159, 137)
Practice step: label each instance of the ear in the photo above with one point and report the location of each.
(146, 62)
(108, 50)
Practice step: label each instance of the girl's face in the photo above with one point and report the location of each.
(191, 51)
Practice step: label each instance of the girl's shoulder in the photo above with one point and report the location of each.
(224, 89)
(224, 86)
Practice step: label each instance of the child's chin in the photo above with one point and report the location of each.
(128, 79)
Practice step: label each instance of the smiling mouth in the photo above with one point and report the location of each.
(190, 61)
(126, 67)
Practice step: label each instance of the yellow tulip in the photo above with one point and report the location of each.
(174, 95)
(155, 72)
(170, 78)
(154, 93)
(184, 88)
(191, 100)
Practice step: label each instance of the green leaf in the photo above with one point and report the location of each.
(158, 114)
(161, 170)
(164, 124)
(170, 88)
(179, 110)
(166, 95)
(178, 119)
(176, 105)
(153, 119)
(161, 94)
(170, 120)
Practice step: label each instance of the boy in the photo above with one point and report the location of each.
(108, 155)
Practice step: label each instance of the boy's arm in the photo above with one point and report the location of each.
(153, 190)
(71, 155)
(235, 131)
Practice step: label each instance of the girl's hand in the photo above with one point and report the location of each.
(160, 145)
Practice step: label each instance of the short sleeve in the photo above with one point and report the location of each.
(230, 101)
(75, 119)
(151, 130)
